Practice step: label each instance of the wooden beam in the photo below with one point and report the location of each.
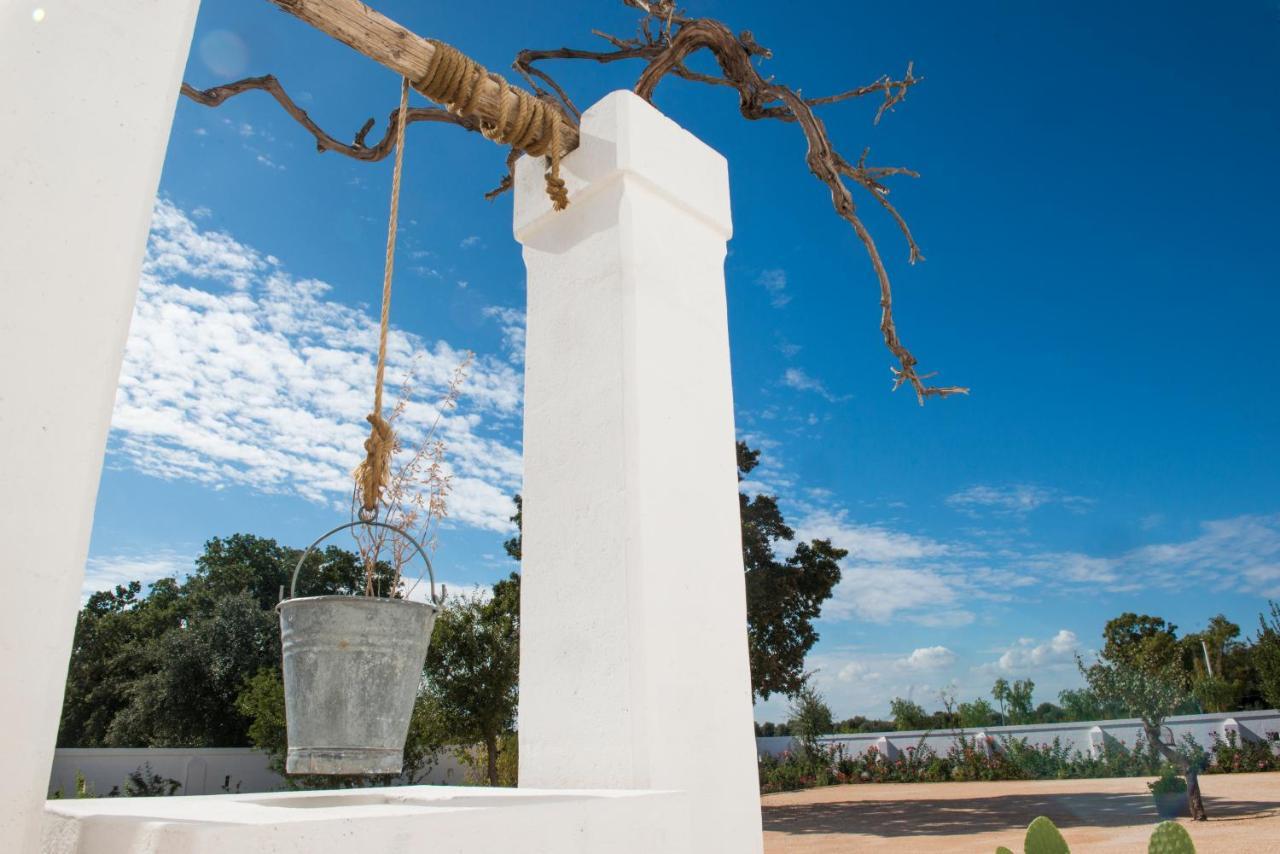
(388, 43)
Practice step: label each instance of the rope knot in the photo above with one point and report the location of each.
(524, 122)
(373, 475)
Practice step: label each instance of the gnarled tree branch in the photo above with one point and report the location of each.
(665, 38)
(759, 98)
(357, 149)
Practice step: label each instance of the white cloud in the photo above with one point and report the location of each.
(1240, 554)
(930, 658)
(1027, 655)
(268, 162)
(105, 572)
(262, 382)
(775, 282)
(851, 671)
(800, 381)
(880, 593)
(470, 242)
(867, 542)
(512, 323)
(1014, 500)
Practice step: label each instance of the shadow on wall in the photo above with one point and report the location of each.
(947, 816)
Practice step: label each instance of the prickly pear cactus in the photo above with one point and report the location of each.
(1170, 838)
(1044, 838)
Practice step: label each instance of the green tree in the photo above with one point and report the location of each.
(1217, 665)
(197, 670)
(473, 667)
(783, 597)
(1151, 694)
(907, 714)
(1081, 704)
(514, 546)
(163, 670)
(1141, 640)
(976, 715)
(1000, 693)
(114, 631)
(1018, 698)
(810, 717)
(1266, 655)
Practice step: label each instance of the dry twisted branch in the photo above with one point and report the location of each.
(758, 98)
(665, 38)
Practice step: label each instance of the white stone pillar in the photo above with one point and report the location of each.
(89, 94)
(633, 668)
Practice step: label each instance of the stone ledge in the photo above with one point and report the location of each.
(439, 819)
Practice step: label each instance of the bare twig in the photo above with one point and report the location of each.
(216, 95)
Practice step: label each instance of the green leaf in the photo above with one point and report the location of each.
(1170, 838)
(1044, 838)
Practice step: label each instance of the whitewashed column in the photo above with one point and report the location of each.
(633, 669)
(89, 94)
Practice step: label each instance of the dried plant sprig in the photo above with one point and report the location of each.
(416, 497)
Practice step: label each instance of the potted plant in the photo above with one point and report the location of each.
(1170, 793)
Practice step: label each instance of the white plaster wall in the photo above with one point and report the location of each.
(200, 770)
(89, 95)
(1077, 735)
(634, 668)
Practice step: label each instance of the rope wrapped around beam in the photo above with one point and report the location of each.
(524, 122)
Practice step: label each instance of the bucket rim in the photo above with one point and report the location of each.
(355, 598)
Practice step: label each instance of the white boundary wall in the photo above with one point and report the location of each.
(89, 93)
(201, 770)
(1085, 736)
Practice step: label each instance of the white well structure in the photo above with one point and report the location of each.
(635, 713)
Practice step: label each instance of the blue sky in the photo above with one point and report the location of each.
(1098, 209)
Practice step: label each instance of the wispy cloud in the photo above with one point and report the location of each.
(106, 571)
(866, 542)
(1027, 655)
(512, 323)
(257, 379)
(470, 242)
(1013, 500)
(929, 658)
(800, 381)
(775, 282)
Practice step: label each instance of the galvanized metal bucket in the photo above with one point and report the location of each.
(352, 668)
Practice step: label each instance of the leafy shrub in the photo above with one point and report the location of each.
(1168, 782)
(1233, 755)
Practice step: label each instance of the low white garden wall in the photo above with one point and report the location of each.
(200, 770)
(1085, 736)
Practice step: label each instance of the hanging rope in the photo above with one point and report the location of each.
(524, 122)
(373, 475)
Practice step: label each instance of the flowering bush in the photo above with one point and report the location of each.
(1234, 755)
(970, 758)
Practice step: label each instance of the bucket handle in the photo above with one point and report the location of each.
(293, 585)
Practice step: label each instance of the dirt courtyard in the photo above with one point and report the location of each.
(1093, 815)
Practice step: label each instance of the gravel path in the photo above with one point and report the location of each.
(1093, 815)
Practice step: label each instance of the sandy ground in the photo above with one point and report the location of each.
(1093, 815)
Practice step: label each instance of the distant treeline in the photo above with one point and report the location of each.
(1223, 671)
